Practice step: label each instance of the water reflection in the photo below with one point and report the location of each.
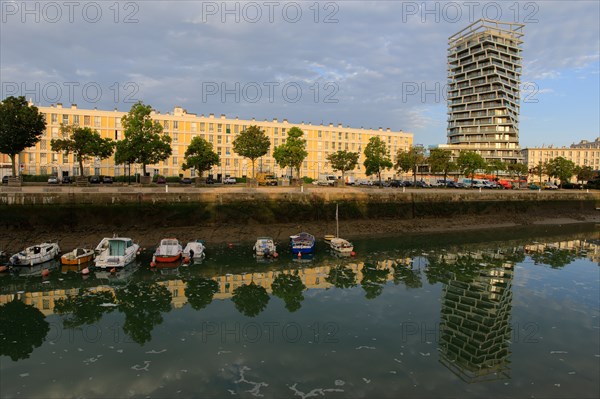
(476, 294)
(22, 329)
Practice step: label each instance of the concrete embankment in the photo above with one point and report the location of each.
(125, 207)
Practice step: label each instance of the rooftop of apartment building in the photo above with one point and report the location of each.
(581, 144)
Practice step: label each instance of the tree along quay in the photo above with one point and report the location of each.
(149, 208)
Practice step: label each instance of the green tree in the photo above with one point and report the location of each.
(539, 170)
(377, 157)
(200, 156)
(343, 161)
(251, 143)
(517, 169)
(585, 173)
(469, 162)
(496, 166)
(21, 127)
(84, 143)
(293, 152)
(144, 141)
(440, 161)
(409, 161)
(562, 169)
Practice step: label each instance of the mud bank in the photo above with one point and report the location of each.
(83, 219)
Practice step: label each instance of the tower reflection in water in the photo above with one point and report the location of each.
(475, 328)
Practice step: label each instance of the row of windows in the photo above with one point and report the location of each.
(219, 127)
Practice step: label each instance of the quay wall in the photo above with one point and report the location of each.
(157, 208)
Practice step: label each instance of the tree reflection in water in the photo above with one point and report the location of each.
(250, 299)
(200, 291)
(403, 274)
(142, 303)
(86, 307)
(341, 277)
(554, 257)
(289, 287)
(22, 329)
(373, 280)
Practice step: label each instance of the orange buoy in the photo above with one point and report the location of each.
(299, 254)
(3, 268)
(186, 260)
(113, 270)
(45, 273)
(85, 271)
(275, 255)
(152, 264)
(352, 253)
(230, 245)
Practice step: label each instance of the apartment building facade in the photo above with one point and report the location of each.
(584, 153)
(182, 126)
(484, 74)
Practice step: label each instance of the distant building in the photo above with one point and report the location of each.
(484, 74)
(582, 154)
(182, 126)
(587, 144)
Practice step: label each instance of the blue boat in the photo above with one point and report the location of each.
(302, 243)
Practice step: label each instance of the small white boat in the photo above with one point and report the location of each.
(77, 256)
(265, 246)
(341, 245)
(168, 251)
(336, 243)
(116, 252)
(35, 254)
(194, 251)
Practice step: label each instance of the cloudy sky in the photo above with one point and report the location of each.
(370, 64)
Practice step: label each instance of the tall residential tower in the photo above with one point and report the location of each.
(484, 74)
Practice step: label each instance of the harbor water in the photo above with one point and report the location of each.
(503, 314)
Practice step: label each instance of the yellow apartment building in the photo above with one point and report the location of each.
(584, 153)
(182, 126)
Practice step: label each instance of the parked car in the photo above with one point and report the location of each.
(454, 184)
(396, 183)
(161, 180)
(67, 180)
(94, 179)
(505, 184)
(210, 180)
(185, 180)
(53, 180)
(550, 186)
(534, 186)
(230, 180)
(364, 182)
(407, 183)
(5, 179)
(421, 184)
(107, 180)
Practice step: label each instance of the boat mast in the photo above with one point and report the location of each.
(337, 223)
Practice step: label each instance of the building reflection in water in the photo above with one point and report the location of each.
(475, 326)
